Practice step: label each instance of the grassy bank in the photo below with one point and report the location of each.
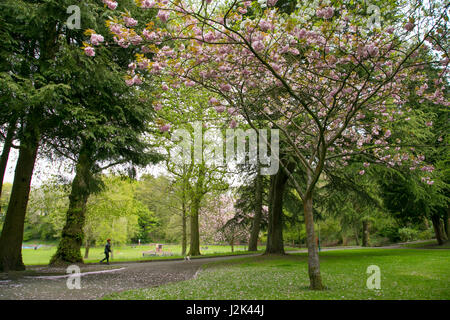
(405, 274)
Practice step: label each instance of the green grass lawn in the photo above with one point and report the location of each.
(405, 274)
(42, 255)
(432, 244)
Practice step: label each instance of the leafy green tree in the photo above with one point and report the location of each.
(114, 213)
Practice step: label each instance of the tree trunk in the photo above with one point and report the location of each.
(5, 153)
(184, 236)
(253, 242)
(436, 220)
(447, 225)
(366, 234)
(12, 233)
(275, 228)
(357, 236)
(69, 248)
(86, 249)
(194, 248)
(315, 278)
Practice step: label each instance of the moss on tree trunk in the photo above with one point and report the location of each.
(12, 232)
(69, 247)
(7, 144)
(194, 247)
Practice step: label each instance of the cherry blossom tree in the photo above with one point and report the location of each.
(218, 223)
(326, 78)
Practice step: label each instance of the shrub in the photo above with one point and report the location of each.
(426, 234)
(408, 234)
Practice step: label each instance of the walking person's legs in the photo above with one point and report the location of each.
(105, 258)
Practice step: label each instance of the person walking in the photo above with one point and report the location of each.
(107, 251)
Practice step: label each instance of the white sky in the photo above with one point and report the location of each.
(44, 169)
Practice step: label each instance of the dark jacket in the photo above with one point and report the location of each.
(108, 247)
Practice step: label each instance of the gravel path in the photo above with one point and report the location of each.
(44, 283)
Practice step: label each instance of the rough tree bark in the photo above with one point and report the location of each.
(313, 254)
(183, 221)
(253, 242)
(69, 247)
(447, 225)
(196, 197)
(87, 246)
(438, 230)
(5, 153)
(194, 246)
(12, 233)
(275, 228)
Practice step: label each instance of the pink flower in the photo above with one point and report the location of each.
(96, 39)
(130, 22)
(213, 101)
(149, 35)
(158, 106)
(429, 123)
(111, 4)
(409, 26)
(163, 15)
(189, 83)
(146, 4)
(89, 51)
(137, 80)
(129, 82)
(115, 28)
(302, 33)
(220, 108)
(233, 124)
(242, 10)
(372, 50)
(271, 3)
(265, 25)
(231, 110)
(165, 127)
(366, 164)
(135, 40)
(326, 13)
(165, 87)
(362, 172)
(209, 36)
(225, 87)
(387, 134)
(123, 43)
(258, 45)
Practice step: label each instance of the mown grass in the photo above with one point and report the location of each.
(405, 274)
(43, 255)
(432, 244)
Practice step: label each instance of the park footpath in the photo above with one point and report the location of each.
(98, 280)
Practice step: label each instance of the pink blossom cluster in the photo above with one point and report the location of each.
(322, 100)
(110, 4)
(325, 13)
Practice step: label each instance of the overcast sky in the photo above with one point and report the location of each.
(44, 169)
